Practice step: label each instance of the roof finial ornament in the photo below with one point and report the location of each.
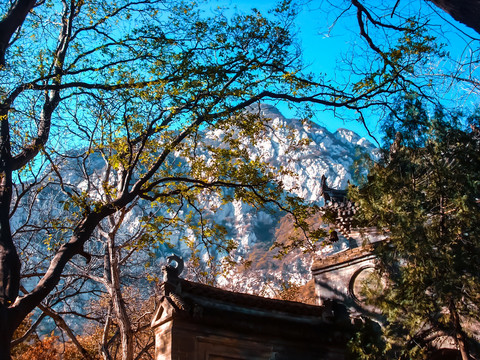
(324, 188)
(331, 195)
(173, 269)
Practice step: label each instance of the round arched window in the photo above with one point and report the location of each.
(362, 280)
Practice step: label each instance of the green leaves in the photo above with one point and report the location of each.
(424, 193)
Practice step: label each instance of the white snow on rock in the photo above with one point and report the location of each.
(329, 154)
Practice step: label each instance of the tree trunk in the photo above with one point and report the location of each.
(6, 331)
(9, 260)
(124, 325)
(459, 334)
(106, 328)
(5, 340)
(119, 307)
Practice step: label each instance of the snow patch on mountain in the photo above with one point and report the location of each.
(255, 230)
(329, 154)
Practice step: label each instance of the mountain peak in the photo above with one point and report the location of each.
(265, 110)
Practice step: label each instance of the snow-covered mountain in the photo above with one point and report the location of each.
(329, 154)
(255, 230)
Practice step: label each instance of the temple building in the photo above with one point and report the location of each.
(199, 322)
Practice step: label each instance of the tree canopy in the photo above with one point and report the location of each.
(137, 86)
(424, 195)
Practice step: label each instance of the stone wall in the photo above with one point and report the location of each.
(199, 322)
(339, 277)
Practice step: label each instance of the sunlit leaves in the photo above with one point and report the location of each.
(146, 112)
(408, 47)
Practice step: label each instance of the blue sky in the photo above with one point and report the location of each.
(323, 48)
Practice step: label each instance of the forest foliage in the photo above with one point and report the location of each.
(136, 86)
(423, 195)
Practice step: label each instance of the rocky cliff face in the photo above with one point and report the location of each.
(329, 154)
(254, 230)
